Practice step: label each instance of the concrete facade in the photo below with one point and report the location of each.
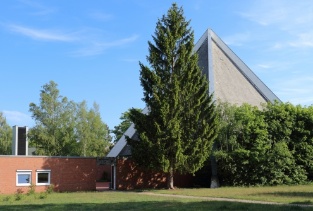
(230, 85)
(230, 79)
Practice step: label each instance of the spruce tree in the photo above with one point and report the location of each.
(178, 132)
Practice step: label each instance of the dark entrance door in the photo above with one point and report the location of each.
(112, 177)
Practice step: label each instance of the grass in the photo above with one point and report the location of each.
(298, 194)
(131, 200)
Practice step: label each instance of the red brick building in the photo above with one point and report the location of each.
(130, 176)
(78, 174)
(65, 173)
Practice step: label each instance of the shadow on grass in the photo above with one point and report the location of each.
(307, 202)
(154, 205)
(292, 194)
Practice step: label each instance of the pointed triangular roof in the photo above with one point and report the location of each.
(230, 79)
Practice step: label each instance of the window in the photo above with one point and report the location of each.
(23, 177)
(43, 177)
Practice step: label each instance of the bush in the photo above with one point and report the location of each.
(31, 190)
(43, 195)
(50, 189)
(7, 198)
(19, 194)
(272, 146)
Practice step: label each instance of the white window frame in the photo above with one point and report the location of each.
(19, 172)
(43, 171)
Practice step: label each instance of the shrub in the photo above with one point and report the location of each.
(31, 190)
(7, 198)
(43, 195)
(50, 189)
(19, 194)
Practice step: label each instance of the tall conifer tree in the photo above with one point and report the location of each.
(178, 132)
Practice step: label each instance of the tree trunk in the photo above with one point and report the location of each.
(170, 178)
(214, 178)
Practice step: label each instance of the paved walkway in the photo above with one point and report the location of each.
(221, 199)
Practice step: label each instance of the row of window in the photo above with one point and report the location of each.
(24, 177)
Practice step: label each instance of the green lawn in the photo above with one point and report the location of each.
(132, 200)
(298, 194)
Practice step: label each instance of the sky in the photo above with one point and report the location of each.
(92, 49)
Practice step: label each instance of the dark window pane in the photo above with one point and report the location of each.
(43, 178)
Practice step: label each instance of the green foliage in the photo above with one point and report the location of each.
(64, 127)
(43, 195)
(93, 134)
(120, 129)
(178, 132)
(264, 147)
(31, 190)
(6, 199)
(242, 145)
(293, 125)
(53, 133)
(50, 189)
(19, 194)
(282, 168)
(5, 137)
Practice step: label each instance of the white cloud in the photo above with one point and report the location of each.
(40, 34)
(287, 14)
(296, 89)
(302, 100)
(265, 13)
(88, 41)
(100, 16)
(271, 66)
(96, 48)
(121, 42)
(304, 40)
(17, 118)
(292, 19)
(277, 46)
(237, 39)
(265, 66)
(40, 8)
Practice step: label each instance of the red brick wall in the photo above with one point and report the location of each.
(67, 174)
(130, 176)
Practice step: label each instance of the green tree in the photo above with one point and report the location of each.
(5, 136)
(255, 147)
(92, 134)
(53, 133)
(302, 139)
(178, 132)
(120, 129)
(292, 125)
(242, 145)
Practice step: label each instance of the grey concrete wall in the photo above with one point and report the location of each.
(229, 84)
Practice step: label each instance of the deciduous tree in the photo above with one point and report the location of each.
(53, 133)
(120, 129)
(257, 147)
(5, 136)
(92, 134)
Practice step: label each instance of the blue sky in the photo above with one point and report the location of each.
(91, 49)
